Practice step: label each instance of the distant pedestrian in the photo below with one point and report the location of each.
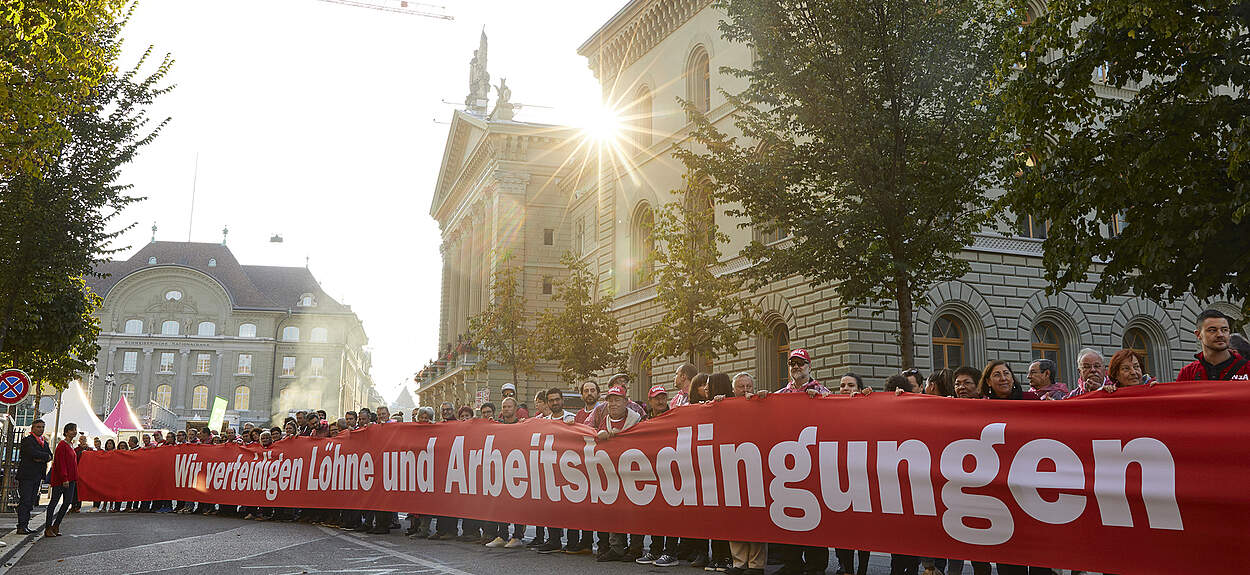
(31, 469)
(64, 481)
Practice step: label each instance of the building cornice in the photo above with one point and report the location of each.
(636, 29)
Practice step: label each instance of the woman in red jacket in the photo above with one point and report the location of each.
(64, 481)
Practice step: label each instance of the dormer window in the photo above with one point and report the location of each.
(151, 260)
(306, 300)
(212, 262)
(173, 295)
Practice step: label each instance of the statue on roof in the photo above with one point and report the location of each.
(504, 108)
(479, 79)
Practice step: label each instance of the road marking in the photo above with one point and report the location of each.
(265, 552)
(441, 568)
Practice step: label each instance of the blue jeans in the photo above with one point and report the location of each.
(27, 496)
(65, 494)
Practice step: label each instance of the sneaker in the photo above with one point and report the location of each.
(716, 565)
(665, 561)
(646, 559)
(578, 550)
(700, 560)
(497, 543)
(549, 547)
(536, 542)
(630, 556)
(514, 543)
(609, 555)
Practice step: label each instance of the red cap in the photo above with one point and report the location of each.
(657, 390)
(801, 353)
(618, 390)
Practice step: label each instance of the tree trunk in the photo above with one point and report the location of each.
(906, 338)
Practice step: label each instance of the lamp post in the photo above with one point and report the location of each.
(108, 391)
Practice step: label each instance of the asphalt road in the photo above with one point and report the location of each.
(99, 544)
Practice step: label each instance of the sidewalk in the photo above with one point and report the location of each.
(10, 541)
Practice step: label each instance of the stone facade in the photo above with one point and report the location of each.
(653, 52)
(182, 323)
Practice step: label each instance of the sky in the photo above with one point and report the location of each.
(326, 124)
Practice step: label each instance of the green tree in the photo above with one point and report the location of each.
(1168, 157)
(57, 221)
(868, 141)
(51, 58)
(500, 330)
(703, 315)
(581, 334)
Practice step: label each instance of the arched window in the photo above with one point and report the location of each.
(242, 398)
(948, 343)
(164, 393)
(642, 246)
(247, 330)
(134, 326)
(781, 341)
(642, 117)
(199, 397)
(1047, 344)
(128, 392)
(1135, 338)
(699, 80)
(169, 328)
(318, 335)
(207, 328)
(307, 300)
(290, 333)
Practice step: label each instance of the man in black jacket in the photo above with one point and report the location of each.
(31, 469)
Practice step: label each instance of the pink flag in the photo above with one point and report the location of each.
(122, 417)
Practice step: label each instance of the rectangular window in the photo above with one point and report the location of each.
(546, 285)
(167, 362)
(130, 362)
(288, 366)
(549, 237)
(203, 363)
(317, 367)
(245, 364)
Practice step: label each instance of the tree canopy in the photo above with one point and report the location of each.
(866, 137)
(581, 334)
(1129, 119)
(502, 330)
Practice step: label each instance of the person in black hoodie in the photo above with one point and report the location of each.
(31, 469)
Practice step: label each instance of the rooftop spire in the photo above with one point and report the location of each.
(479, 79)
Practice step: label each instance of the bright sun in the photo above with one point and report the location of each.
(603, 125)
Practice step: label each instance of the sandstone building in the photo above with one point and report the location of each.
(183, 322)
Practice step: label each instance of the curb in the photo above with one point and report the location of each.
(18, 543)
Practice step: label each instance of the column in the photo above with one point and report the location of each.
(180, 387)
(145, 376)
(488, 252)
(476, 255)
(466, 271)
(445, 304)
(453, 319)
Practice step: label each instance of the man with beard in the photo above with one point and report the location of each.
(663, 550)
(1216, 361)
(619, 418)
(555, 402)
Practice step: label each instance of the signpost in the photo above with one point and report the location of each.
(483, 396)
(14, 385)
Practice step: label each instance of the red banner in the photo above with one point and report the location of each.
(1145, 480)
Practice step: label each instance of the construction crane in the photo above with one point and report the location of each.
(399, 7)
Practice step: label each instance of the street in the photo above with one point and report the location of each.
(98, 544)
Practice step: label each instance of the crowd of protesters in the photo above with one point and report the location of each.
(1223, 357)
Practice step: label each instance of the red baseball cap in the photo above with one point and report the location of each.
(657, 390)
(618, 390)
(802, 353)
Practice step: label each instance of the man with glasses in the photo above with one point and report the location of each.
(1042, 380)
(799, 559)
(1091, 372)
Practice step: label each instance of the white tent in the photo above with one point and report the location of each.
(75, 408)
